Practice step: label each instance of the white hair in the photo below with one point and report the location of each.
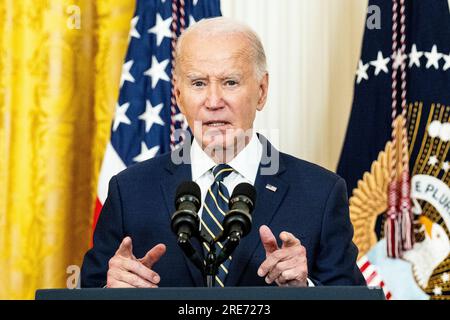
(226, 26)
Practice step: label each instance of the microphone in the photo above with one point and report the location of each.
(185, 221)
(238, 221)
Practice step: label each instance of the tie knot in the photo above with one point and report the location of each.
(221, 171)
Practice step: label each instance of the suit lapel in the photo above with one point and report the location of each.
(267, 203)
(178, 174)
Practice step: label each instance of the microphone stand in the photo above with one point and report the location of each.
(214, 261)
(233, 241)
(185, 244)
(209, 268)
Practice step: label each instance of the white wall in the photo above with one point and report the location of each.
(312, 47)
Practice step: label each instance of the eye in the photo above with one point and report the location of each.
(231, 83)
(198, 83)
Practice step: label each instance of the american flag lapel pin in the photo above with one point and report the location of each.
(271, 187)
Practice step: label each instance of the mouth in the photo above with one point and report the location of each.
(216, 123)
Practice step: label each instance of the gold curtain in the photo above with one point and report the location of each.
(60, 63)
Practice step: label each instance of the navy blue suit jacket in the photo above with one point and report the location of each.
(309, 202)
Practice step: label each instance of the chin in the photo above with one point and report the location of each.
(216, 141)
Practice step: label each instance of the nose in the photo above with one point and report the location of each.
(214, 99)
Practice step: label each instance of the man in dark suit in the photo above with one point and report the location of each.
(220, 82)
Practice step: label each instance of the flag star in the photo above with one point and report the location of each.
(121, 116)
(126, 75)
(437, 291)
(398, 58)
(414, 56)
(185, 125)
(161, 29)
(446, 166)
(133, 32)
(362, 72)
(151, 115)
(380, 63)
(146, 153)
(447, 61)
(433, 58)
(179, 117)
(157, 71)
(433, 161)
(192, 20)
(195, 2)
(445, 277)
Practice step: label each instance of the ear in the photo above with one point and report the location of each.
(176, 84)
(263, 90)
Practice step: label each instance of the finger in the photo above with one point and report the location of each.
(294, 275)
(119, 284)
(280, 267)
(140, 269)
(288, 239)
(153, 255)
(268, 239)
(134, 280)
(271, 260)
(126, 248)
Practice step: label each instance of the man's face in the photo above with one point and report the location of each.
(217, 89)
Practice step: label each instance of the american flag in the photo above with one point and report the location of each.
(141, 127)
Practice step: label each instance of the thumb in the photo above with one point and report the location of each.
(126, 248)
(268, 239)
(153, 255)
(289, 240)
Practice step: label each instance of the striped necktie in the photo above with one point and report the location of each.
(214, 209)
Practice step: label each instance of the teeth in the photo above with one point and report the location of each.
(216, 124)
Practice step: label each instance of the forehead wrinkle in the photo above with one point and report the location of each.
(238, 67)
(243, 52)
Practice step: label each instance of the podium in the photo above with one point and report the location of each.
(211, 294)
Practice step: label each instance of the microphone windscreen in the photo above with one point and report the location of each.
(245, 189)
(188, 188)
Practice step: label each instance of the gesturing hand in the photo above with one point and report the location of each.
(287, 266)
(126, 271)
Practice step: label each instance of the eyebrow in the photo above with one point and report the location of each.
(194, 76)
(232, 75)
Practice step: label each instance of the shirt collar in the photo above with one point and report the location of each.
(245, 163)
(200, 161)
